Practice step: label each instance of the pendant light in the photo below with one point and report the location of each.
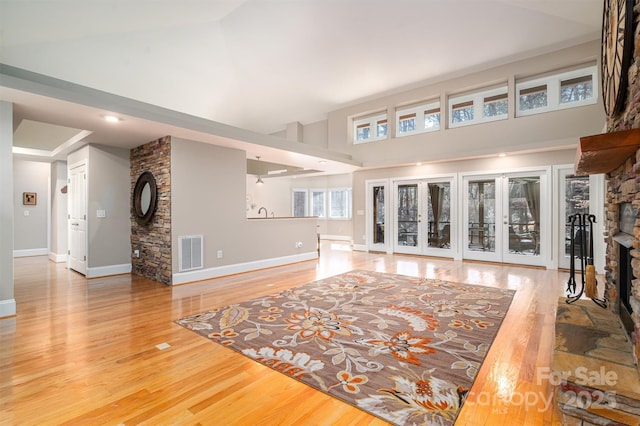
(259, 181)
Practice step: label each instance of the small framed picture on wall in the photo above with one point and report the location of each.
(29, 198)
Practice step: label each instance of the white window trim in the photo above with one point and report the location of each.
(373, 123)
(306, 201)
(349, 203)
(419, 112)
(553, 91)
(478, 106)
(324, 202)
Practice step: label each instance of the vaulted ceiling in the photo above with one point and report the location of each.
(260, 64)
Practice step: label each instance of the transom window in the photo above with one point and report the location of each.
(418, 119)
(369, 129)
(562, 90)
(496, 105)
(479, 107)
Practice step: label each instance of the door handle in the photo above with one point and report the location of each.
(75, 224)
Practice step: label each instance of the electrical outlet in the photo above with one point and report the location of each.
(136, 253)
(299, 244)
(219, 254)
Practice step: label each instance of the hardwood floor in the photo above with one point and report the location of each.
(83, 352)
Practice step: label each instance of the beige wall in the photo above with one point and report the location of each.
(208, 187)
(30, 221)
(108, 245)
(274, 195)
(58, 245)
(453, 150)
(109, 237)
(555, 129)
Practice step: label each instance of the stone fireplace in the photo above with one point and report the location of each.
(622, 271)
(616, 153)
(587, 335)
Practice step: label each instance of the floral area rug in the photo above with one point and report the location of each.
(404, 349)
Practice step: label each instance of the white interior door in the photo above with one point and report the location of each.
(77, 191)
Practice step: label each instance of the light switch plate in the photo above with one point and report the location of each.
(101, 213)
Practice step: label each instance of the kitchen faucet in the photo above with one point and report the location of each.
(265, 211)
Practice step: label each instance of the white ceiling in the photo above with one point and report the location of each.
(260, 64)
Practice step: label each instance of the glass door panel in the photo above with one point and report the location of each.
(438, 214)
(407, 218)
(524, 216)
(481, 220)
(377, 216)
(574, 193)
(522, 236)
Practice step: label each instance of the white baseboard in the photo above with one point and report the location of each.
(205, 274)
(30, 252)
(360, 247)
(103, 271)
(57, 257)
(7, 308)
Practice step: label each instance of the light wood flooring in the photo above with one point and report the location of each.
(83, 352)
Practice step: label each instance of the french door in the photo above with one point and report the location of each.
(506, 218)
(578, 195)
(423, 216)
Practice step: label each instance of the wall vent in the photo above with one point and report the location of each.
(190, 252)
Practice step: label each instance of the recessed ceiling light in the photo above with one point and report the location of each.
(418, 163)
(111, 118)
(322, 162)
(502, 154)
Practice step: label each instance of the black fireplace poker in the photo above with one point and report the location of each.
(579, 234)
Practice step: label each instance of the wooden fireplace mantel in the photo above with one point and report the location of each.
(604, 152)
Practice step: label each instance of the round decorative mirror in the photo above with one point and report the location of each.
(144, 198)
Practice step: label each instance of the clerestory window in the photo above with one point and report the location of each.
(418, 119)
(370, 128)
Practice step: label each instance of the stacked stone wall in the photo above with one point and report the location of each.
(153, 240)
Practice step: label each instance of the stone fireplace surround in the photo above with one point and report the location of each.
(623, 194)
(606, 343)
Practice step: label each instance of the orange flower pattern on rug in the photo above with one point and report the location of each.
(404, 349)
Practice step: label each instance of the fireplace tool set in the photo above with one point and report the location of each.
(579, 235)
